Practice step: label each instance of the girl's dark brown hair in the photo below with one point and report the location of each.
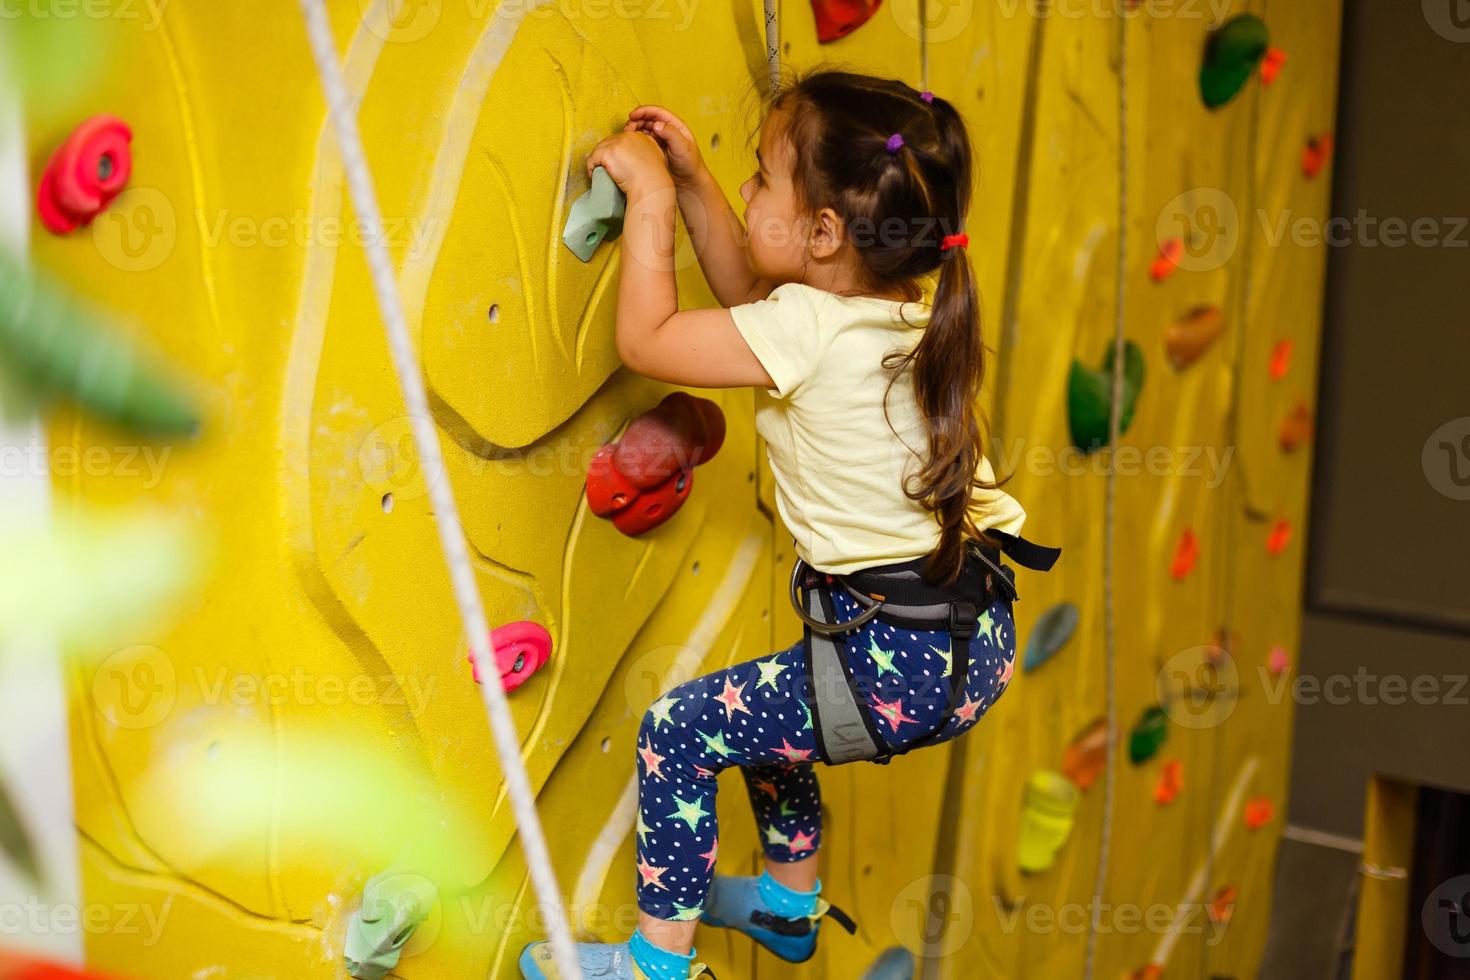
(897, 207)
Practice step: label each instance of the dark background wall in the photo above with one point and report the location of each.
(1387, 625)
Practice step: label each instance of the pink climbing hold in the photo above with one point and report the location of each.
(85, 173)
(643, 479)
(1277, 662)
(521, 649)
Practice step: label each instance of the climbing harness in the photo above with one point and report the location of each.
(897, 595)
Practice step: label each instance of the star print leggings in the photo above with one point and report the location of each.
(757, 715)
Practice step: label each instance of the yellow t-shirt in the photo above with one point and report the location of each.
(839, 468)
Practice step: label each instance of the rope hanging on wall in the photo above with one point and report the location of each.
(773, 43)
(1110, 509)
(446, 514)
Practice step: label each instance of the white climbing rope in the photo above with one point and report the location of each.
(1110, 508)
(773, 43)
(441, 496)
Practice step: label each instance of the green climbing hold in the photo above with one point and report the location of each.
(1089, 397)
(56, 347)
(595, 217)
(394, 904)
(1232, 52)
(1052, 630)
(1148, 735)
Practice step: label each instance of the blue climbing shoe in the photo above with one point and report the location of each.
(770, 913)
(608, 961)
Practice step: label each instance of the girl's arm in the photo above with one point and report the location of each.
(717, 233)
(701, 348)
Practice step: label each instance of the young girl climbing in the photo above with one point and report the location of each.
(847, 302)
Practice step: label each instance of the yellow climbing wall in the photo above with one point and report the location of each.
(326, 610)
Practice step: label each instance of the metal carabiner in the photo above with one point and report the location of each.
(829, 629)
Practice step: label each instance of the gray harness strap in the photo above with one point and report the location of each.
(842, 725)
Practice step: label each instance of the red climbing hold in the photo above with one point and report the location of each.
(838, 18)
(1170, 252)
(644, 478)
(521, 649)
(1271, 65)
(1280, 359)
(1316, 154)
(1170, 782)
(1279, 537)
(1258, 812)
(85, 173)
(1185, 556)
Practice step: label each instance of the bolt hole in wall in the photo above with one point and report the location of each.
(606, 746)
(387, 503)
(494, 312)
(714, 141)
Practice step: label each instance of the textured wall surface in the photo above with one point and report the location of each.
(233, 251)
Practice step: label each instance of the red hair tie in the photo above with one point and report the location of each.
(954, 241)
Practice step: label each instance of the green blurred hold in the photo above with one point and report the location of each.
(15, 843)
(1232, 52)
(82, 579)
(61, 349)
(595, 217)
(394, 905)
(1089, 397)
(1148, 735)
(1046, 820)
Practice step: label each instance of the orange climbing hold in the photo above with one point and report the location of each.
(1280, 359)
(1271, 65)
(1259, 812)
(1187, 339)
(838, 18)
(1296, 428)
(1084, 759)
(1222, 906)
(1279, 537)
(1150, 972)
(1316, 154)
(1185, 556)
(85, 173)
(1170, 252)
(1170, 782)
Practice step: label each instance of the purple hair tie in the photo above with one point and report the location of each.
(927, 96)
(894, 142)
